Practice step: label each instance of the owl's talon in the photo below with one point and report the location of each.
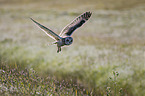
(59, 49)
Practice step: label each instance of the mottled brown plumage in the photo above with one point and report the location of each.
(64, 38)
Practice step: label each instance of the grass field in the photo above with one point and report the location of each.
(107, 57)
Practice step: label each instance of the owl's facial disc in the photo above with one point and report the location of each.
(68, 40)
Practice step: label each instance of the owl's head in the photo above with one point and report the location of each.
(68, 40)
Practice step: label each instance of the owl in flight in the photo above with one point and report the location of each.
(64, 38)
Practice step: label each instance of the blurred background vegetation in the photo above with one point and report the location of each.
(107, 56)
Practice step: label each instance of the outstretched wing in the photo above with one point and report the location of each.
(49, 32)
(76, 23)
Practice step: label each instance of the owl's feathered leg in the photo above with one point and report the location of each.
(59, 49)
(58, 46)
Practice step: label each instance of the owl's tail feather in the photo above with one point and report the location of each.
(52, 43)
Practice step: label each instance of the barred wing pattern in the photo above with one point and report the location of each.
(76, 23)
(49, 32)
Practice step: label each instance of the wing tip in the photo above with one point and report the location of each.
(89, 13)
(86, 15)
(32, 19)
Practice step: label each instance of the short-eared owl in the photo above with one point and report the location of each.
(64, 38)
